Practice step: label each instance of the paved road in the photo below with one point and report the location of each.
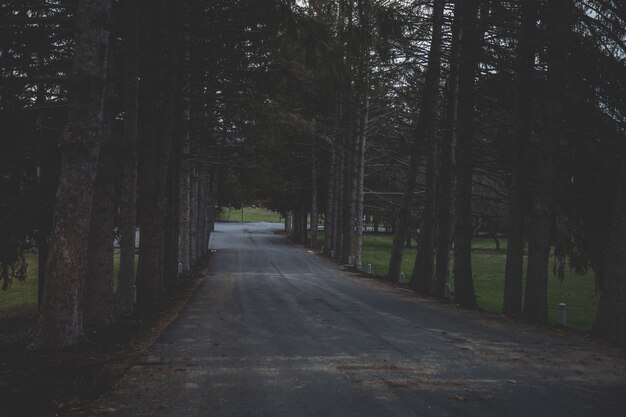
(277, 331)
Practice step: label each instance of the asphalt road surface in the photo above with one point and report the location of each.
(275, 330)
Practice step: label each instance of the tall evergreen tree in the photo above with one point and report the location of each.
(60, 321)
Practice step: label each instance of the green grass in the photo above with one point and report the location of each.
(578, 291)
(250, 215)
(20, 300)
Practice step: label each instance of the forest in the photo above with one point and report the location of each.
(434, 120)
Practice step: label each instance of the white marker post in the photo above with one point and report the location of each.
(562, 314)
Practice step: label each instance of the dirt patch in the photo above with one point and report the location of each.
(47, 383)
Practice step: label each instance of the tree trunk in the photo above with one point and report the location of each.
(193, 216)
(340, 201)
(423, 277)
(125, 296)
(360, 195)
(349, 197)
(97, 298)
(464, 284)
(98, 289)
(185, 207)
(512, 304)
(610, 320)
(185, 166)
(48, 183)
(329, 217)
(172, 218)
(158, 92)
(542, 212)
(402, 218)
(314, 213)
(445, 183)
(60, 321)
(363, 84)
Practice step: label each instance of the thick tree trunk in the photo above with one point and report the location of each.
(288, 222)
(512, 304)
(98, 289)
(204, 215)
(314, 212)
(304, 213)
(423, 277)
(47, 178)
(158, 92)
(185, 206)
(97, 299)
(402, 218)
(193, 216)
(295, 233)
(542, 212)
(48, 184)
(172, 218)
(329, 217)
(172, 131)
(353, 200)
(185, 165)
(60, 321)
(445, 183)
(125, 296)
(464, 283)
(610, 320)
(360, 196)
(363, 86)
(339, 214)
(203, 189)
(349, 198)
(213, 204)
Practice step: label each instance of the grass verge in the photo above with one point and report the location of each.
(577, 291)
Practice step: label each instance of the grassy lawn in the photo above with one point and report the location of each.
(20, 300)
(250, 215)
(578, 291)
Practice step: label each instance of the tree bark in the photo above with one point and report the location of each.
(360, 195)
(158, 92)
(314, 211)
(185, 163)
(361, 138)
(193, 216)
(340, 201)
(542, 212)
(125, 296)
(445, 185)
(464, 283)
(172, 218)
(98, 289)
(185, 206)
(422, 278)
(512, 303)
(97, 296)
(402, 218)
(349, 196)
(610, 320)
(60, 320)
(329, 217)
